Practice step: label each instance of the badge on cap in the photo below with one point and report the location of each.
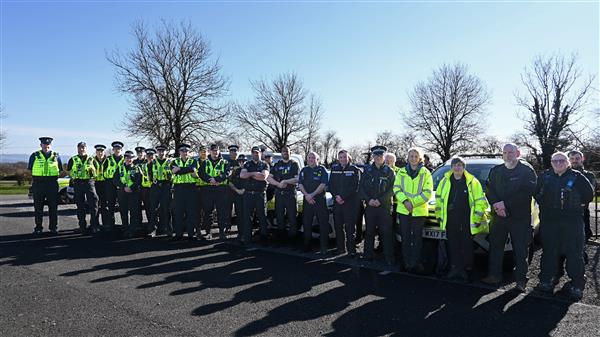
(161, 148)
(255, 149)
(184, 147)
(99, 147)
(46, 140)
(128, 154)
(233, 148)
(117, 144)
(378, 150)
(140, 149)
(150, 151)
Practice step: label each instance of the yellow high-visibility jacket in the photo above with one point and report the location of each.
(477, 202)
(418, 191)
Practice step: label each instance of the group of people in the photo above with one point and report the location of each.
(395, 200)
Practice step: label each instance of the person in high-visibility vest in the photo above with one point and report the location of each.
(185, 194)
(140, 160)
(45, 166)
(461, 211)
(215, 171)
(100, 183)
(128, 180)
(200, 224)
(413, 188)
(148, 183)
(160, 193)
(82, 172)
(109, 167)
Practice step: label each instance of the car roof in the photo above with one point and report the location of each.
(474, 161)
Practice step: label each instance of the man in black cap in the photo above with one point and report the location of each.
(312, 181)
(140, 151)
(236, 185)
(233, 154)
(148, 185)
(200, 184)
(233, 164)
(214, 171)
(376, 189)
(268, 158)
(100, 183)
(343, 185)
(128, 180)
(255, 173)
(82, 171)
(186, 197)
(45, 166)
(110, 167)
(161, 192)
(144, 191)
(284, 179)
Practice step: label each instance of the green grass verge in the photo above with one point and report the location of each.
(11, 187)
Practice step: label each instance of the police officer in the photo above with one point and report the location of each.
(510, 188)
(140, 151)
(147, 187)
(214, 171)
(283, 178)
(110, 167)
(560, 193)
(144, 191)
(184, 171)
(45, 166)
(312, 182)
(233, 164)
(233, 156)
(82, 172)
(160, 194)
(100, 183)
(376, 190)
(343, 185)
(254, 174)
(236, 185)
(413, 188)
(200, 223)
(128, 180)
(576, 159)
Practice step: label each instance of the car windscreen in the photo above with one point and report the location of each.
(480, 171)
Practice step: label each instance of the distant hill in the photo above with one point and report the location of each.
(17, 157)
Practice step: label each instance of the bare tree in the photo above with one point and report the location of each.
(176, 88)
(488, 145)
(330, 144)
(399, 144)
(555, 94)
(280, 114)
(447, 111)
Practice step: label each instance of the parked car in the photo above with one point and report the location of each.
(66, 194)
